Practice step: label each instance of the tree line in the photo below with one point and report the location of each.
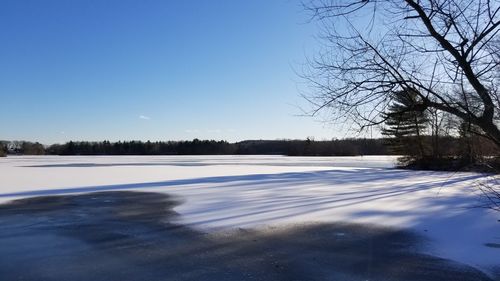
(430, 139)
(308, 147)
(22, 147)
(401, 143)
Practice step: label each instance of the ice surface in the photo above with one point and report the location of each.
(251, 191)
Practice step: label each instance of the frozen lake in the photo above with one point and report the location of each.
(226, 192)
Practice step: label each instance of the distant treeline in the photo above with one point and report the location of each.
(344, 147)
(451, 146)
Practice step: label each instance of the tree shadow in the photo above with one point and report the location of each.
(333, 177)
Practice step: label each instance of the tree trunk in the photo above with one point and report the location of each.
(491, 130)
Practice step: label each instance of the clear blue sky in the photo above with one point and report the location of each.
(153, 70)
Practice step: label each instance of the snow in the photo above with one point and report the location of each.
(251, 191)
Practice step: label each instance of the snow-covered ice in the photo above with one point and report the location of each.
(251, 191)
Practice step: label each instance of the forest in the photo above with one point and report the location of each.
(308, 147)
(418, 146)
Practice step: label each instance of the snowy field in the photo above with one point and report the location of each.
(220, 192)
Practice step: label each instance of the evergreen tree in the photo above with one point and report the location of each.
(406, 122)
(3, 149)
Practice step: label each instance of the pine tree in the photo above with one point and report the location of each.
(3, 149)
(406, 122)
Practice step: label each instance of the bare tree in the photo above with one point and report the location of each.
(446, 51)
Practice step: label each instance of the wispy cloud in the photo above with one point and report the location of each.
(143, 117)
(192, 131)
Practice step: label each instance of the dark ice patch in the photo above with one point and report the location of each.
(127, 235)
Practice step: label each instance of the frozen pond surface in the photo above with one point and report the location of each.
(228, 192)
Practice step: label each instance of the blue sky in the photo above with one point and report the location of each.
(154, 70)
